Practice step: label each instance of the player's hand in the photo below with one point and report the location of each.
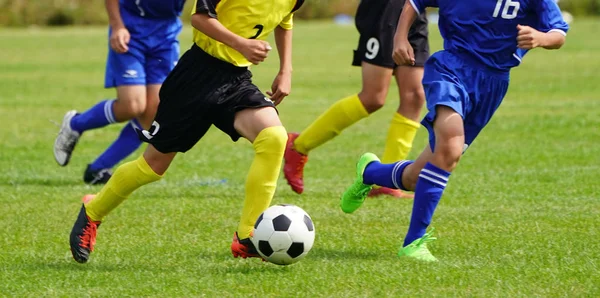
(281, 87)
(403, 52)
(119, 38)
(528, 38)
(256, 51)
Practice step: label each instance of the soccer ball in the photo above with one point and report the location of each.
(283, 234)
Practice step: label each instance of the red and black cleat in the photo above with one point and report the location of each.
(293, 168)
(83, 236)
(243, 248)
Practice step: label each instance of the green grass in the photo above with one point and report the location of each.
(520, 216)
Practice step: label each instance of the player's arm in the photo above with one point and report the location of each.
(119, 38)
(254, 50)
(530, 38)
(403, 51)
(282, 84)
(283, 40)
(550, 31)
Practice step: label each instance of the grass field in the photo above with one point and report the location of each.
(520, 217)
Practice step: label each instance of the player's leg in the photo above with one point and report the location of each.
(128, 177)
(263, 128)
(343, 113)
(432, 180)
(126, 73)
(404, 124)
(177, 128)
(246, 113)
(456, 124)
(374, 55)
(160, 60)
(126, 143)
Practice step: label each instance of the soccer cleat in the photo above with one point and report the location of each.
(293, 168)
(87, 198)
(396, 193)
(355, 195)
(66, 140)
(83, 235)
(243, 248)
(96, 177)
(418, 249)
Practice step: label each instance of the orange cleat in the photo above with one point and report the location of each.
(385, 191)
(243, 248)
(83, 236)
(87, 198)
(293, 168)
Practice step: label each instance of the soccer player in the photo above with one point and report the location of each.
(464, 85)
(376, 22)
(211, 84)
(143, 49)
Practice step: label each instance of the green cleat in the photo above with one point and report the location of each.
(418, 249)
(355, 195)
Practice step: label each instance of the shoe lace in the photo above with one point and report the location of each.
(300, 165)
(427, 238)
(88, 239)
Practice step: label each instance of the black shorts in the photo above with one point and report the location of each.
(201, 91)
(376, 21)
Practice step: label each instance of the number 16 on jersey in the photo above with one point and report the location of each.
(511, 8)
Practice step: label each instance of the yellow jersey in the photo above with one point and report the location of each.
(254, 19)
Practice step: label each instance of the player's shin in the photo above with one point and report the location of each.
(127, 142)
(399, 140)
(386, 175)
(127, 178)
(261, 182)
(340, 115)
(97, 116)
(428, 192)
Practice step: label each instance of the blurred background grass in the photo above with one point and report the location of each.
(85, 12)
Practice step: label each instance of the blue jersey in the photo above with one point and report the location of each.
(153, 9)
(486, 30)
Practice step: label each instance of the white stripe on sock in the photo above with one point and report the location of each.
(433, 180)
(135, 126)
(434, 174)
(108, 113)
(395, 171)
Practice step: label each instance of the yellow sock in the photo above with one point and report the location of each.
(127, 178)
(399, 139)
(340, 115)
(261, 182)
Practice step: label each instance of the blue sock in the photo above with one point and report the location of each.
(386, 175)
(127, 142)
(428, 192)
(97, 116)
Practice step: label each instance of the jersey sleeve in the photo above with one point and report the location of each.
(288, 22)
(420, 5)
(206, 6)
(550, 17)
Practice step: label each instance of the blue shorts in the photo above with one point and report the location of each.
(153, 52)
(470, 89)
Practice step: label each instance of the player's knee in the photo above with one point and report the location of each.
(413, 98)
(271, 139)
(132, 108)
(447, 156)
(372, 100)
